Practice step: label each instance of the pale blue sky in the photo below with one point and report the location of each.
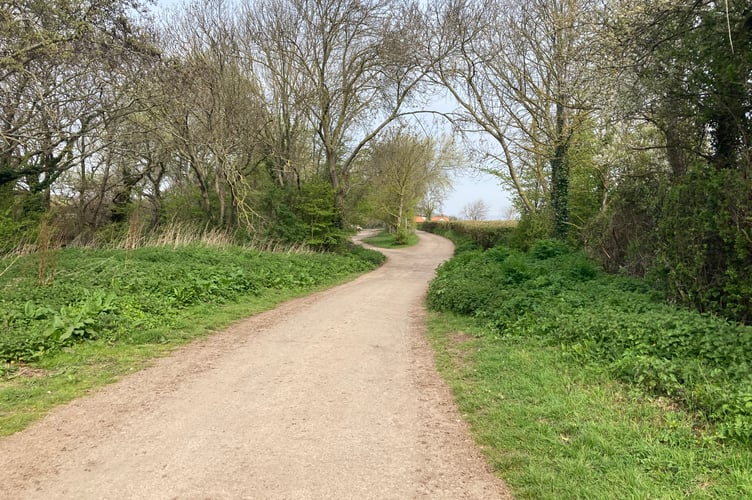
(469, 185)
(469, 188)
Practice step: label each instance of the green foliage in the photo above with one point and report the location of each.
(586, 179)
(555, 427)
(20, 218)
(531, 228)
(287, 226)
(80, 321)
(547, 249)
(625, 237)
(373, 259)
(689, 236)
(401, 236)
(306, 215)
(558, 294)
(32, 330)
(682, 214)
(315, 206)
(120, 295)
(482, 234)
(705, 255)
(385, 239)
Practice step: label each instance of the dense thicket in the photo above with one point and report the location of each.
(684, 216)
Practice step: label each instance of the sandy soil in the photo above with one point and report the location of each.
(331, 396)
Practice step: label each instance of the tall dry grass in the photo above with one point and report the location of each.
(176, 234)
(48, 245)
(137, 235)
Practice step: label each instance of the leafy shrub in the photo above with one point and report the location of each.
(531, 228)
(705, 253)
(466, 283)
(305, 215)
(621, 323)
(20, 217)
(356, 251)
(35, 330)
(80, 321)
(547, 249)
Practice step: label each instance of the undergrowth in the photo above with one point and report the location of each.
(619, 324)
(477, 234)
(127, 296)
(553, 427)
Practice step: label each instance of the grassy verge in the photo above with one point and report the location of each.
(619, 324)
(124, 308)
(555, 428)
(386, 239)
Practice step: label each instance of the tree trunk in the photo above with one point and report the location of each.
(560, 179)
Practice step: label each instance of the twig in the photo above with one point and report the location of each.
(728, 25)
(11, 264)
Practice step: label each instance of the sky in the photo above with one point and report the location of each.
(468, 187)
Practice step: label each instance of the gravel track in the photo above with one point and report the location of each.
(334, 395)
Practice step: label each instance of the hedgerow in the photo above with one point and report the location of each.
(475, 234)
(554, 292)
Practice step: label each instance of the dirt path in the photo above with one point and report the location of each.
(330, 396)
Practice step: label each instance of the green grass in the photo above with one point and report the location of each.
(386, 239)
(555, 428)
(161, 298)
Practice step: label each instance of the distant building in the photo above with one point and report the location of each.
(435, 218)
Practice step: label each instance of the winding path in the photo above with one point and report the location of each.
(333, 395)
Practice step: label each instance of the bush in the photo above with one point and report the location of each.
(557, 293)
(705, 254)
(531, 228)
(546, 249)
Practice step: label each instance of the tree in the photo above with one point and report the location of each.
(692, 60)
(475, 210)
(404, 166)
(686, 71)
(347, 64)
(213, 109)
(288, 136)
(516, 70)
(433, 199)
(62, 68)
(68, 71)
